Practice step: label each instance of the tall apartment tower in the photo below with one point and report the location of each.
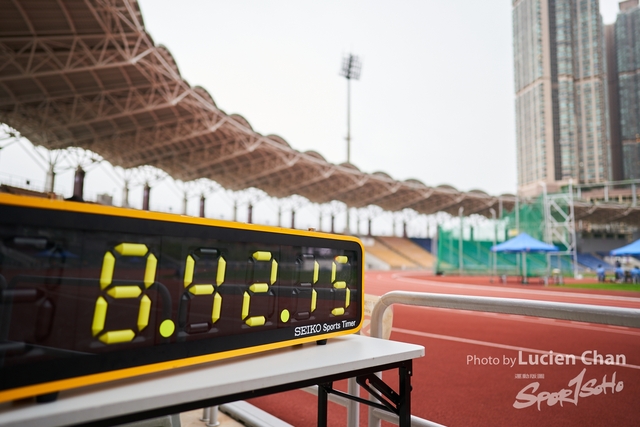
(623, 75)
(560, 85)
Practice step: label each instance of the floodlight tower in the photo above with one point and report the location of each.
(351, 66)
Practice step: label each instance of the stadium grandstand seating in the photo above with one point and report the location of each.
(394, 260)
(390, 251)
(424, 243)
(592, 261)
(409, 250)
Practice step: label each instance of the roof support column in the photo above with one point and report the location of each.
(50, 180)
(428, 229)
(348, 226)
(78, 185)
(185, 201)
(146, 195)
(125, 194)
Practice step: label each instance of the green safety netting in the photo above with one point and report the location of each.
(477, 240)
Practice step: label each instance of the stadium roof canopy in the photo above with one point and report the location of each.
(84, 73)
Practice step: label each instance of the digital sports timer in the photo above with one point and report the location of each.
(90, 293)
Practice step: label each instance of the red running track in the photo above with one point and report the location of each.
(457, 382)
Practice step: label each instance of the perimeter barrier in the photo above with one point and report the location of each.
(605, 315)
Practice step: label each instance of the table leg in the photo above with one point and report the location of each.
(404, 405)
(322, 406)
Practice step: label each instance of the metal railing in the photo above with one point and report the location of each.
(605, 315)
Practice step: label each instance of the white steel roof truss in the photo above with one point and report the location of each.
(111, 90)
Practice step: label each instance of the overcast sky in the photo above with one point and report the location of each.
(434, 102)
(435, 99)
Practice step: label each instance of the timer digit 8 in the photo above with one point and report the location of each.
(90, 293)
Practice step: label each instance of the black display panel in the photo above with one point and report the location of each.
(91, 293)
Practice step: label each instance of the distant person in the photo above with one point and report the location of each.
(619, 273)
(600, 273)
(635, 274)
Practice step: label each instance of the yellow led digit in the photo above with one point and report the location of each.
(274, 271)
(314, 294)
(106, 275)
(205, 288)
(308, 274)
(131, 249)
(262, 256)
(201, 289)
(189, 268)
(124, 292)
(316, 270)
(143, 312)
(116, 337)
(333, 272)
(246, 300)
(150, 270)
(340, 284)
(259, 288)
(99, 316)
(222, 267)
(121, 292)
(217, 306)
(338, 311)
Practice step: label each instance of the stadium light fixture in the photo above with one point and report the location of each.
(351, 67)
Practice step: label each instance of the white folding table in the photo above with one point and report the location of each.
(230, 380)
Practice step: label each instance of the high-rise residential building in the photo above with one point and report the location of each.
(560, 85)
(623, 75)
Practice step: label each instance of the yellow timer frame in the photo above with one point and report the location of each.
(92, 293)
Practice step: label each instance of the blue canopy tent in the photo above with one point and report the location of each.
(630, 249)
(524, 243)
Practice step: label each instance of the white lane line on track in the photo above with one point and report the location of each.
(553, 322)
(491, 344)
(450, 285)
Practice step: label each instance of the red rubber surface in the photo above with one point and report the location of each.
(449, 390)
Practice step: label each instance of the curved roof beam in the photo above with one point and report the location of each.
(92, 77)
